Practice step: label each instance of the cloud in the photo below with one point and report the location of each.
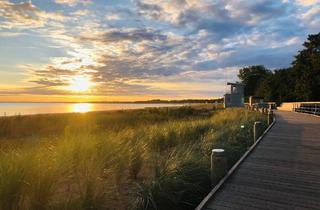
(25, 15)
(138, 53)
(310, 17)
(184, 12)
(73, 2)
(10, 34)
(134, 35)
(113, 16)
(311, 13)
(220, 18)
(82, 12)
(145, 60)
(307, 2)
(158, 47)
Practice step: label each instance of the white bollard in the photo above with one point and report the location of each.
(219, 166)
(256, 131)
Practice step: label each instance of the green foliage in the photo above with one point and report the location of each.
(306, 67)
(56, 124)
(251, 77)
(180, 181)
(146, 159)
(301, 82)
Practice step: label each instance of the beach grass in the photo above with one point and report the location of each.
(155, 158)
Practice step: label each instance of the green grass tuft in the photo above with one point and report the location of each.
(155, 158)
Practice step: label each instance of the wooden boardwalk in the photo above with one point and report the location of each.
(283, 171)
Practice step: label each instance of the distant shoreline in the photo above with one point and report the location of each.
(17, 109)
(26, 109)
(193, 101)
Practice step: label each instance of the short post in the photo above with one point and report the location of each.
(264, 110)
(256, 131)
(270, 117)
(218, 167)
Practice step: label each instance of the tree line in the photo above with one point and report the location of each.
(299, 82)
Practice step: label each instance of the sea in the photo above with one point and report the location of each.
(11, 109)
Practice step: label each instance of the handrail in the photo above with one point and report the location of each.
(300, 107)
(307, 102)
(309, 108)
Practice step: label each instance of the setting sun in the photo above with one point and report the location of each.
(80, 83)
(81, 107)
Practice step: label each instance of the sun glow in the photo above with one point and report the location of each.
(80, 83)
(81, 107)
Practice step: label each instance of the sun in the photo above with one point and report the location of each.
(80, 83)
(81, 107)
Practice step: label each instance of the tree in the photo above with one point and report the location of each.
(283, 81)
(266, 88)
(252, 77)
(301, 82)
(306, 70)
(277, 86)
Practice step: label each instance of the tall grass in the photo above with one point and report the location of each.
(141, 159)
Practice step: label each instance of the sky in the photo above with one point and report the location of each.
(106, 50)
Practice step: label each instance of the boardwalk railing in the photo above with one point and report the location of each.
(309, 107)
(261, 105)
(304, 107)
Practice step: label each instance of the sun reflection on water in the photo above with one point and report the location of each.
(82, 107)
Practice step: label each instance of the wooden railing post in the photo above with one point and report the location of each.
(218, 167)
(256, 130)
(270, 117)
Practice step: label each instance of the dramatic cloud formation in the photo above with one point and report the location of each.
(155, 48)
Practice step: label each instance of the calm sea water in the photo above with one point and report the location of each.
(8, 109)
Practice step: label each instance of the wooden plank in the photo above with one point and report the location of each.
(282, 172)
(272, 194)
(233, 169)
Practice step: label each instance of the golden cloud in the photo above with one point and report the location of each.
(25, 15)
